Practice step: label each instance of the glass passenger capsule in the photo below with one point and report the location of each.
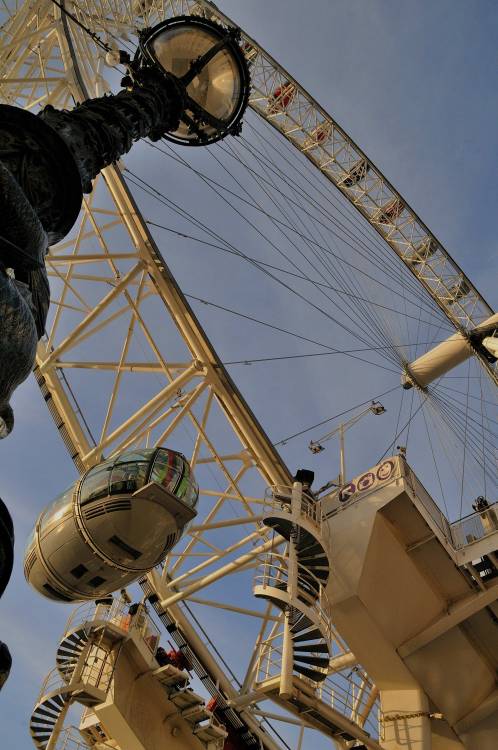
(118, 521)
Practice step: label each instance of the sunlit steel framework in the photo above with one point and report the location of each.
(112, 287)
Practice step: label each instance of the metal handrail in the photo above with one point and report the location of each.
(116, 613)
(429, 504)
(96, 671)
(53, 681)
(348, 699)
(273, 573)
(279, 497)
(463, 532)
(71, 739)
(475, 526)
(90, 611)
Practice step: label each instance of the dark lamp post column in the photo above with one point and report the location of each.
(99, 131)
(188, 82)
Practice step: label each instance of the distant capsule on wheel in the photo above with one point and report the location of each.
(118, 521)
(5, 664)
(6, 546)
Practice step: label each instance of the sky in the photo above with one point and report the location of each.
(414, 85)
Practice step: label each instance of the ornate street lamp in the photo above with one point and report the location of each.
(211, 70)
(188, 82)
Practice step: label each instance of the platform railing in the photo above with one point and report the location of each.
(52, 682)
(475, 526)
(273, 573)
(98, 668)
(71, 739)
(269, 662)
(279, 498)
(458, 534)
(466, 530)
(116, 613)
(96, 672)
(347, 692)
(90, 611)
(428, 503)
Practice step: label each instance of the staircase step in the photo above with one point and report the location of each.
(310, 636)
(317, 558)
(210, 733)
(41, 743)
(170, 676)
(273, 599)
(76, 637)
(484, 564)
(185, 698)
(308, 579)
(314, 563)
(308, 583)
(44, 718)
(319, 648)
(305, 594)
(59, 700)
(40, 712)
(304, 538)
(196, 714)
(42, 726)
(69, 649)
(73, 644)
(311, 673)
(312, 549)
(302, 623)
(309, 546)
(490, 574)
(316, 661)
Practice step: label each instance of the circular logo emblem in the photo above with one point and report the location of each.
(385, 470)
(347, 492)
(366, 481)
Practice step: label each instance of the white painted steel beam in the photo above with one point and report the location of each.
(456, 614)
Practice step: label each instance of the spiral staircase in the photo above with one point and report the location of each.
(85, 668)
(295, 582)
(82, 673)
(69, 652)
(51, 708)
(303, 650)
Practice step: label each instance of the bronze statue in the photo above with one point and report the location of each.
(24, 291)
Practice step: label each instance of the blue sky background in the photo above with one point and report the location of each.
(414, 85)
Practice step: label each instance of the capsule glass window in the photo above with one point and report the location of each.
(144, 454)
(172, 471)
(128, 478)
(55, 512)
(187, 488)
(96, 483)
(167, 469)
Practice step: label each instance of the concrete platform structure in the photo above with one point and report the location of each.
(415, 598)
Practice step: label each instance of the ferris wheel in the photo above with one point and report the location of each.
(126, 363)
